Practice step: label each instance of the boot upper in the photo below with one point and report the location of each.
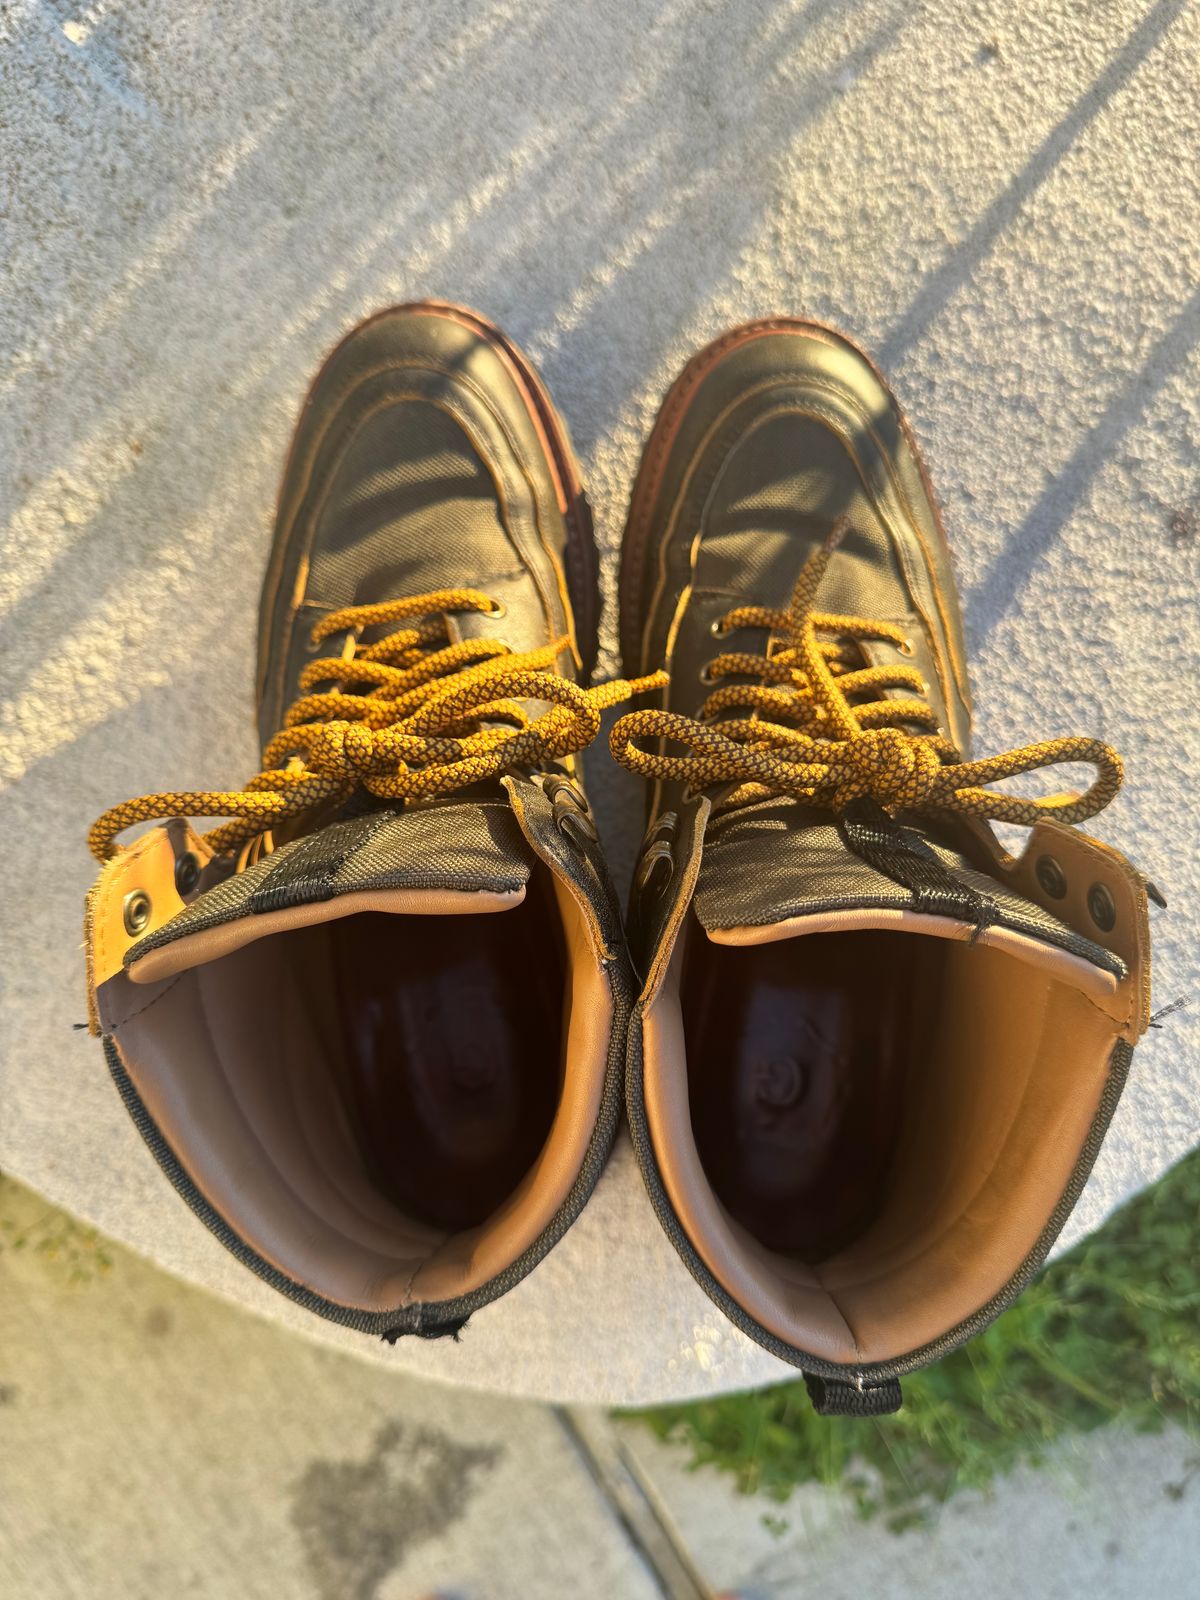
(373, 1026)
(422, 463)
(874, 1054)
(774, 437)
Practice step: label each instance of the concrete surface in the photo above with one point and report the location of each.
(1111, 1515)
(157, 1441)
(1001, 200)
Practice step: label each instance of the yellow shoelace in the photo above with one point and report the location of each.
(435, 716)
(806, 739)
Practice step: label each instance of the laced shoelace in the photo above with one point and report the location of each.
(814, 733)
(431, 716)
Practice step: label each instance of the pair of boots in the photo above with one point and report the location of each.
(378, 1026)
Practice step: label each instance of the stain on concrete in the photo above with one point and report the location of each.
(158, 1321)
(357, 1520)
(1184, 526)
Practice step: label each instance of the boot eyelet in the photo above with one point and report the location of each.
(906, 647)
(499, 609)
(717, 628)
(187, 874)
(659, 834)
(1102, 908)
(136, 911)
(650, 879)
(573, 825)
(663, 827)
(1051, 877)
(706, 675)
(563, 792)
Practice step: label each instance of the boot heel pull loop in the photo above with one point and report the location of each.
(835, 1397)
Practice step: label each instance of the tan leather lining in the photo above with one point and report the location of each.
(1100, 987)
(1086, 862)
(470, 1259)
(195, 949)
(998, 1108)
(237, 1061)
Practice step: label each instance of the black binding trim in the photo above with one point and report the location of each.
(902, 855)
(831, 1397)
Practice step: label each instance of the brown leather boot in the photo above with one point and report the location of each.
(373, 1026)
(874, 1055)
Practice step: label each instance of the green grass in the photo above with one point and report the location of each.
(29, 1225)
(1110, 1333)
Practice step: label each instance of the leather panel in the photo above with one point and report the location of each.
(243, 1065)
(420, 427)
(785, 426)
(999, 1099)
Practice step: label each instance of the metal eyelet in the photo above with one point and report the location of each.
(572, 814)
(187, 873)
(564, 794)
(717, 628)
(136, 911)
(1051, 877)
(561, 791)
(312, 645)
(499, 609)
(663, 827)
(1102, 908)
(575, 826)
(706, 675)
(649, 879)
(661, 830)
(906, 647)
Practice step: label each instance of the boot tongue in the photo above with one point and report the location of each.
(768, 863)
(456, 857)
